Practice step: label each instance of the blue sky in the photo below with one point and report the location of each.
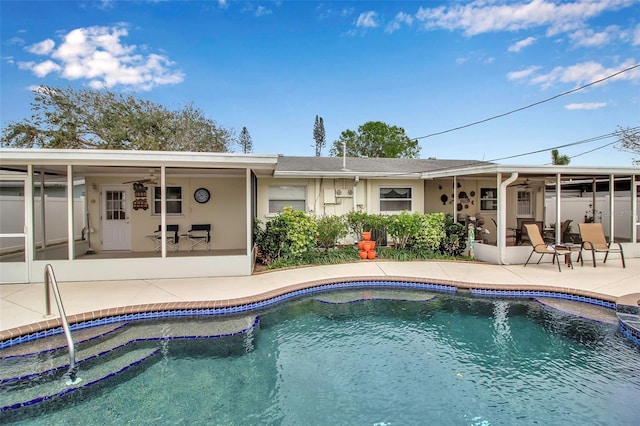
(426, 66)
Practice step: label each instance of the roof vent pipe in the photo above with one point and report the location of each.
(344, 155)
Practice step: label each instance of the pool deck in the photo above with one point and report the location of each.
(22, 306)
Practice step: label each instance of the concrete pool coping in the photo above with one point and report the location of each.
(22, 305)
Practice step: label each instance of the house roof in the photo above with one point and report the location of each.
(97, 161)
(364, 167)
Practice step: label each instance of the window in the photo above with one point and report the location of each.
(174, 200)
(488, 199)
(115, 205)
(395, 199)
(287, 196)
(525, 203)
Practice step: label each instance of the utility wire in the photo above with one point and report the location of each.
(531, 105)
(595, 149)
(580, 142)
(593, 139)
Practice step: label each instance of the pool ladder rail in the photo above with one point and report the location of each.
(104, 352)
(50, 282)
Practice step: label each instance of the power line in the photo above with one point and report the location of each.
(595, 149)
(580, 142)
(531, 105)
(593, 139)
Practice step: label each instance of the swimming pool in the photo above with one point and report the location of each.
(365, 356)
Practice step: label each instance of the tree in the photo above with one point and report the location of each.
(378, 140)
(629, 140)
(68, 118)
(318, 135)
(245, 141)
(559, 160)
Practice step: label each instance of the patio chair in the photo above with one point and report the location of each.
(199, 236)
(509, 234)
(172, 237)
(524, 234)
(592, 236)
(541, 247)
(564, 228)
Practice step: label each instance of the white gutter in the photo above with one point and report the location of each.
(502, 216)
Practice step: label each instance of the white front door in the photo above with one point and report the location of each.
(116, 223)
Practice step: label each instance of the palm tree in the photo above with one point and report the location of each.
(559, 160)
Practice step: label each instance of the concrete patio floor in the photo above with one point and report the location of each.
(23, 304)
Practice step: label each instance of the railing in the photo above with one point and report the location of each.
(50, 282)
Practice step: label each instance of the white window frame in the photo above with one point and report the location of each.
(155, 202)
(521, 208)
(282, 194)
(382, 201)
(488, 199)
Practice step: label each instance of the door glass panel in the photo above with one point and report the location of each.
(116, 205)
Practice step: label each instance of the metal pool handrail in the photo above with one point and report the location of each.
(50, 282)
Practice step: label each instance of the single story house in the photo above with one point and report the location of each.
(129, 195)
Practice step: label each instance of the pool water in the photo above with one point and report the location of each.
(447, 360)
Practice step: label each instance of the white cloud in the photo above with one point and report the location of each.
(16, 41)
(44, 68)
(482, 16)
(42, 48)
(96, 54)
(400, 19)
(590, 38)
(223, 4)
(525, 73)
(586, 106)
(636, 36)
(262, 11)
(519, 45)
(367, 20)
(578, 74)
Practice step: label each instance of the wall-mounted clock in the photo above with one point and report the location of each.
(202, 195)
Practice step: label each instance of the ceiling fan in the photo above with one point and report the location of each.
(525, 184)
(151, 178)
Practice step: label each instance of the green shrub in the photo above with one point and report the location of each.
(454, 242)
(355, 221)
(378, 225)
(341, 255)
(330, 230)
(403, 226)
(431, 233)
(289, 235)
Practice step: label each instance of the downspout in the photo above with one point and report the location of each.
(355, 193)
(502, 216)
